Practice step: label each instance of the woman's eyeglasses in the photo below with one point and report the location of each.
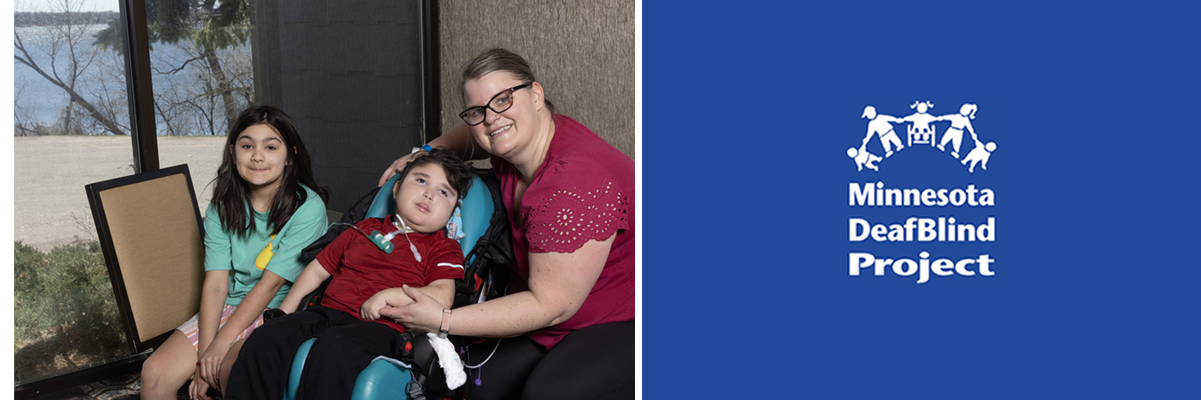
(498, 104)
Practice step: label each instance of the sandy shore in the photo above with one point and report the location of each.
(51, 206)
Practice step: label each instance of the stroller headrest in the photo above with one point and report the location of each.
(475, 211)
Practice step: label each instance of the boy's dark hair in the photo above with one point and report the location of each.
(231, 194)
(458, 172)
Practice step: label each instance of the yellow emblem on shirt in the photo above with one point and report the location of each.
(265, 255)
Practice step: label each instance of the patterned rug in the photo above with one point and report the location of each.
(126, 387)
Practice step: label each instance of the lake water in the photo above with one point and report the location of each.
(176, 82)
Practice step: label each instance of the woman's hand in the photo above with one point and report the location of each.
(457, 139)
(198, 388)
(391, 297)
(397, 166)
(424, 314)
(209, 369)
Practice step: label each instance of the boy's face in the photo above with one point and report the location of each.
(425, 199)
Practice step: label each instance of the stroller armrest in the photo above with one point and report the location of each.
(311, 299)
(272, 313)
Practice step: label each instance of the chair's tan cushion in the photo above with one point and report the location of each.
(159, 249)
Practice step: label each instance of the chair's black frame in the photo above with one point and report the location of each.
(110, 256)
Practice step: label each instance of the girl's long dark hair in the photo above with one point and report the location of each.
(232, 194)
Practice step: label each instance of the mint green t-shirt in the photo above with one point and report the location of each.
(227, 251)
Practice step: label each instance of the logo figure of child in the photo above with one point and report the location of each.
(863, 158)
(979, 154)
(920, 131)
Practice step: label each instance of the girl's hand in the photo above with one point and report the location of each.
(370, 308)
(197, 390)
(424, 314)
(209, 369)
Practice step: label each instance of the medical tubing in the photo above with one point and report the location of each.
(486, 359)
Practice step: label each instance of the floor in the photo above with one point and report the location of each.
(126, 387)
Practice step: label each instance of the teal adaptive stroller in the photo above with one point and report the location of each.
(486, 245)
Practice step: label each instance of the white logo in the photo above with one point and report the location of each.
(921, 129)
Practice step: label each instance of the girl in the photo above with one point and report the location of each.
(266, 208)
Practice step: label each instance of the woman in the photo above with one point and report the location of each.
(568, 320)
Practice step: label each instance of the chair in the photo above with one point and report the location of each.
(384, 378)
(153, 242)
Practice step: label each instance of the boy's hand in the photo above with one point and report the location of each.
(370, 309)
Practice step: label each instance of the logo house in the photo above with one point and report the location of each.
(921, 129)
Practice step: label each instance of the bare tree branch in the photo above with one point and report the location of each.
(180, 68)
(66, 38)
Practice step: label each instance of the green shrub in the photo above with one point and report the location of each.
(66, 315)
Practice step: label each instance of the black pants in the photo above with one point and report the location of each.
(596, 362)
(345, 346)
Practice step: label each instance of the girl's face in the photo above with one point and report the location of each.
(507, 133)
(424, 198)
(260, 155)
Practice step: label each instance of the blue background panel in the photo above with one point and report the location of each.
(748, 110)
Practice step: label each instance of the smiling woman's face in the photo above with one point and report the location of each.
(504, 134)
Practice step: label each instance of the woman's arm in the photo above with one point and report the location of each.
(458, 140)
(559, 283)
(309, 280)
(442, 290)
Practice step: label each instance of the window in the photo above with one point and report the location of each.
(202, 76)
(65, 317)
(208, 61)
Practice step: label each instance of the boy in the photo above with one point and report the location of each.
(364, 279)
